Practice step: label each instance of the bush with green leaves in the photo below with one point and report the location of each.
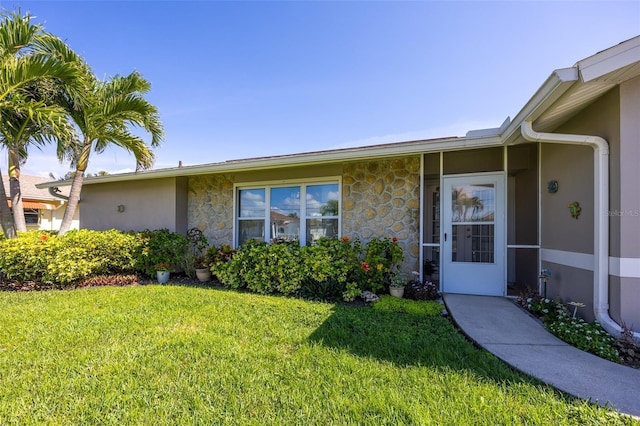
(330, 269)
(556, 317)
(161, 246)
(587, 336)
(382, 258)
(63, 260)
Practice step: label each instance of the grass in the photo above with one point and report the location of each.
(188, 355)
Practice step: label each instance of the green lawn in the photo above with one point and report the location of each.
(188, 355)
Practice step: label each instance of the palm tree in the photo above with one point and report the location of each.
(104, 118)
(30, 59)
(30, 122)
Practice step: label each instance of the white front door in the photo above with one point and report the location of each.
(473, 234)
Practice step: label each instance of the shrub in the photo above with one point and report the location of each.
(382, 256)
(421, 291)
(327, 270)
(161, 246)
(589, 337)
(63, 260)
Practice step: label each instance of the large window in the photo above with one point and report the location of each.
(296, 212)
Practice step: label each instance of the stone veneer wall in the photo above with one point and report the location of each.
(381, 198)
(210, 207)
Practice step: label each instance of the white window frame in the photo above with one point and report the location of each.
(268, 185)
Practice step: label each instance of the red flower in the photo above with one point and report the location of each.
(365, 266)
(345, 239)
(394, 239)
(44, 237)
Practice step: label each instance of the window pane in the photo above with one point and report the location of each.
(473, 203)
(322, 200)
(473, 243)
(250, 230)
(318, 228)
(285, 213)
(252, 203)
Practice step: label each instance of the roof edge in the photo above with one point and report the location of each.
(609, 60)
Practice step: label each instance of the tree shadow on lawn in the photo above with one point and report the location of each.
(406, 339)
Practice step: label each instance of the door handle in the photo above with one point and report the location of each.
(445, 237)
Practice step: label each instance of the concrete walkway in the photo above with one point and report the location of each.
(504, 329)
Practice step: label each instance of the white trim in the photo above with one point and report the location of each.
(624, 267)
(609, 60)
(422, 213)
(568, 258)
(267, 186)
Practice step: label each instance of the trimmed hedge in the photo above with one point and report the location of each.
(331, 269)
(51, 259)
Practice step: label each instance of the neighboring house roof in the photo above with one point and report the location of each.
(34, 197)
(566, 92)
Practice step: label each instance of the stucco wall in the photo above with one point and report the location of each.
(382, 199)
(572, 167)
(148, 204)
(571, 285)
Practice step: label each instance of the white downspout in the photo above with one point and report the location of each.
(601, 224)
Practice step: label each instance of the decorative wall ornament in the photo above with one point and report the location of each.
(574, 209)
(552, 186)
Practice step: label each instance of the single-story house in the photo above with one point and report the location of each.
(43, 208)
(555, 188)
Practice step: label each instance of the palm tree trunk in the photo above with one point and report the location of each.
(76, 188)
(6, 219)
(16, 192)
(72, 204)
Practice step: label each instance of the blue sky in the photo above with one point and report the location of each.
(239, 79)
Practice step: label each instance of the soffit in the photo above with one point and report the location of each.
(574, 100)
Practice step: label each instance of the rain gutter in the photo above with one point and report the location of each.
(601, 223)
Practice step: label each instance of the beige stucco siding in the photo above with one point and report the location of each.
(624, 299)
(148, 204)
(626, 213)
(572, 167)
(571, 285)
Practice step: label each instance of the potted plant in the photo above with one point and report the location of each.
(162, 272)
(202, 267)
(397, 282)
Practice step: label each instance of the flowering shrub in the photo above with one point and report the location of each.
(382, 256)
(542, 307)
(557, 318)
(420, 291)
(589, 337)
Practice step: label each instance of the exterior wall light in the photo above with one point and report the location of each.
(121, 208)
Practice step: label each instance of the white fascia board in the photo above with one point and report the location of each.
(556, 84)
(609, 60)
(322, 157)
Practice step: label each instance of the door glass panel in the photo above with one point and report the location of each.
(473, 229)
(473, 203)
